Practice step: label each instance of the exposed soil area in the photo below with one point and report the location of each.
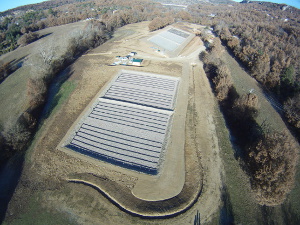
(97, 193)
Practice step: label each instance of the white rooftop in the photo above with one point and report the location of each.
(170, 39)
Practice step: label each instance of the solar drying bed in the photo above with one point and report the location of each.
(150, 91)
(170, 39)
(128, 134)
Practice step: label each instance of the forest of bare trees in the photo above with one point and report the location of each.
(265, 38)
(159, 23)
(268, 157)
(116, 13)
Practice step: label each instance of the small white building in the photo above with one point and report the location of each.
(137, 62)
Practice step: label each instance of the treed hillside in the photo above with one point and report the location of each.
(191, 2)
(25, 19)
(265, 38)
(269, 156)
(41, 6)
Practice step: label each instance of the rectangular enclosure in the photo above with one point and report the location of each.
(154, 91)
(128, 124)
(123, 134)
(170, 39)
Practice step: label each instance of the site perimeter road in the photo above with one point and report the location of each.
(172, 177)
(48, 169)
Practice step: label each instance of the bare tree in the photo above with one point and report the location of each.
(249, 100)
(47, 53)
(16, 137)
(223, 82)
(272, 163)
(36, 91)
(5, 70)
(216, 46)
(28, 38)
(160, 22)
(292, 110)
(245, 107)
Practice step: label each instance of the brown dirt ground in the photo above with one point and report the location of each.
(46, 170)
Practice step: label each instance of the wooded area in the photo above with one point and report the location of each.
(269, 157)
(54, 13)
(265, 38)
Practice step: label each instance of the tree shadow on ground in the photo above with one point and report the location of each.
(197, 220)
(289, 214)
(241, 123)
(6, 69)
(9, 178)
(226, 212)
(44, 35)
(53, 97)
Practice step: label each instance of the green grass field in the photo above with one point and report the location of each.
(13, 89)
(239, 204)
(38, 215)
